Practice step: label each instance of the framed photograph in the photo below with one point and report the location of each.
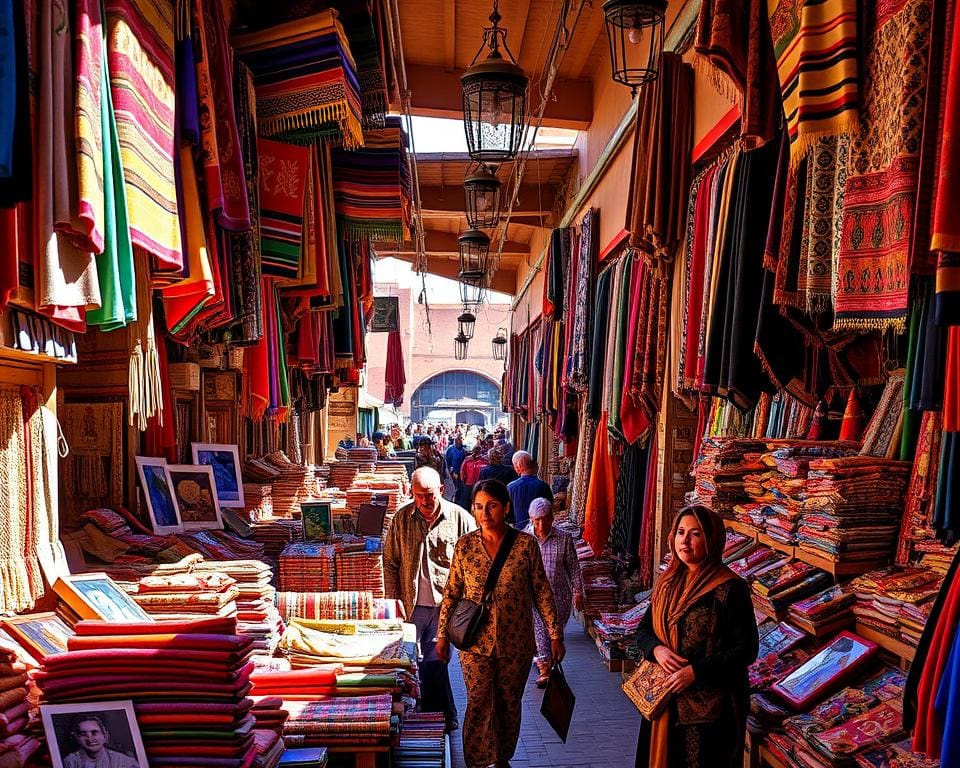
(196, 493)
(225, 461)
(93, 733)
(825, 671)
(317, 520)
(158, 489)
(39, 634)
(97, 596)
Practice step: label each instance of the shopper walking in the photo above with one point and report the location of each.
(700, 628)
(470, 471)
(563, 572)
(496, 666)
(525, 488)
(428, 456)
(454, 457)
(417, 552)
(496, 469)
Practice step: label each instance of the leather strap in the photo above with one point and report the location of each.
(505, 546)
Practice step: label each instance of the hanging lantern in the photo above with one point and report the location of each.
(499, 343)
(474, 249)
(460, 343)
(466, 322)
(494, 99)
(482, 191)
(472, 290)
(635, 37)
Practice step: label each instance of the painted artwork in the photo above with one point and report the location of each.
(97, 596)
(157, 488)
(225, 462)
(195, 491)
(825, 670)
(317, 520)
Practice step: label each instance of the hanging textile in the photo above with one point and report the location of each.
(883, 431)
(16, 171)
(283, 185)
(601, 492)
(919, 498)
(881, 186)
(558, 257)
(93, 471)
(816, 48)
(634, 418)
(945, 518)
(306, 78)
(140, 57)
(88, 123)
(602, 319)
(394, 377)
(628, 516)
(659, 178)
(734, 37)
(578, 354)
(143, 374)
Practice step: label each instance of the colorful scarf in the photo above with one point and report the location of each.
(16, 179)
(283, 185)
(579, 348)
(819, 217)
(140, 52)
(815, 43)
(881, 186)
(89, 60)
(394, 377)
(601, 492)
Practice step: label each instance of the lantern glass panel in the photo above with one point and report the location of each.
(466, 323)
(494, 116)
(474, 250)
(635, 39)
(472, 291)
(460, 343)
(499, 344)
(482, 191)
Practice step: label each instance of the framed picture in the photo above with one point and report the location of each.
(780, 639)
(39, 634)
(825, 671)
(158, 489)
(97, 596)
(317, 520)
(225, 461)
(93, 733)
(386, 314)
(195, 490)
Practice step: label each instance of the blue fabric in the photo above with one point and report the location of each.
(8, 87)
(947, 705)
(455, 457)
(522, 492)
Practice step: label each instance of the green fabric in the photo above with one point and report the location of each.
(911, 419)
(619, 353)
(282, 353)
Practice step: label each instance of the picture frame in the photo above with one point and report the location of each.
(825, 671)
(780, 639)
(225, 461)
(83, 731)
(157, 486)
(317, 520)
(195, 489)
(96, 596)
(39, 634)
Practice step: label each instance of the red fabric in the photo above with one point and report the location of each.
(217, 626)
(9, 250)
(395, 378)
(851, 428)
(601, 492)
(634, 421)
(321, 676)
(256, 371)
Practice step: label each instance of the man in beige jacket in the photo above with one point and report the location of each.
(417, 552)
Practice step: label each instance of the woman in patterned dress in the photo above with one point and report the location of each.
(701, 629)
(496, 667)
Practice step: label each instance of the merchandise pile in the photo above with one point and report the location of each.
(275, 534)
(599, 586)
(422, 743)
(774, 590)
(294, 483)
(307, 567)
(720, 470)
(17, 707)
(360, 571)
(356, 720)
(334, 605)
(824, 613)
(257, 501)
(896, 601)
(359, 646)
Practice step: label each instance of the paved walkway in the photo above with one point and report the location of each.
(605, 724)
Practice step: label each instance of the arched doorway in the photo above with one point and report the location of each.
(470, 417)
(445, 396)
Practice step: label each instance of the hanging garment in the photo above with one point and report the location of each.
(578, 373)
(946, 519)
(394, 376)
(16, 155)
(919, 499)
(88, 123)
(598, 348)
(601, 492)
(283, 185)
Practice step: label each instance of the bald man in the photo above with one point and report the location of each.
(417, 552)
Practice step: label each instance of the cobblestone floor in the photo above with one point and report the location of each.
(605, 724)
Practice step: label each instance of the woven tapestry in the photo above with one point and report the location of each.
(93, 470)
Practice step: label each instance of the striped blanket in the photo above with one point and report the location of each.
(283, 185)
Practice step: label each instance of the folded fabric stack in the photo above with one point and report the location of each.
(17, 710)
(222, 545)
(360, 646)
(307, 566)
(363, 456)
(737, 546)
(344, 473)
(899, 755)
(617, 630)
(771, 668)
(389, 469)
(366, 485)
(824, 613)
(774, 590)
(269, 713)
(259, 471)
(720, 469)
(346, 721)
(757, 562)
(599, 587)
(269, 746)
(852, 508)
(115, 536)
(274, 534)
(750, 513)
(781, 645)
(294, 484)
(185, 595)
(327, 605)
(360, 572)
(422, 743)
(877, 726)
(188, 681)
(257, 501)
(321, 682)
(893, 600)
(935, 556)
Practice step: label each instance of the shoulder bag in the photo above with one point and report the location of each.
(468, 616)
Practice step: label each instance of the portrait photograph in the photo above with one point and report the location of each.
(93, 733)
(97, 596)
(40, 634)
(825, 670)
(225, 462)
(158, 490)
(196, 494)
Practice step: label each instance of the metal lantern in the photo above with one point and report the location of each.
(494, 99)
(499, 343)
(482, 192)
(472, 290)
(474, 249)
(466, 323)
(460, 343)
(635, 37)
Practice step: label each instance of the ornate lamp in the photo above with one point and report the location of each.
(472, 290)
(460, 343)
(499, 343)
(635, 38)
(466, 323)
(494, 99)
(474, 249)
(482, 192)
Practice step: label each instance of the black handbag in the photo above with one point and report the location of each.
(468, 616)
(558, 702)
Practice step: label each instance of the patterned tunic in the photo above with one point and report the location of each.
(563, 572)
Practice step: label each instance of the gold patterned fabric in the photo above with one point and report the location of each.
(93, 469)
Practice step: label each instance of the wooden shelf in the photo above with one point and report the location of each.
(742, 528)
(839, 569)
(787, 549)
(896, 647)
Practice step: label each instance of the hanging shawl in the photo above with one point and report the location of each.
(661, 159)
(88, 125)
(143, 373)
(881, 186)
(140, 53)
(819, 216)
(598, 349)
(699, 215)
(579, 348)
(634, 420)
(283, 184)
(601, 493)
(306, 80)
(394, 377)
(816, 48)
(734, 37)
(946, 521)
(369, 50)
(16, 173)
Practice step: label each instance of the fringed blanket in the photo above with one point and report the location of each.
(816, 47)
(306, 80)
(881, 186)
(283, 185)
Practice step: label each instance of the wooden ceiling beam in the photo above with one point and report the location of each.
(531, 200)
(504, 279)
(436, 241)
(589, 29)
(450, 35)
(437, 93)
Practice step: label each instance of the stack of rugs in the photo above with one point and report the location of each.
(388, 469)
(343, 473)
(615, 631)
(720, 469)
(188, 681)
(366, 485)
(363, 456)
(335, 605)
(274, 535)
(599, 586)
(774, 590)
(268, 712)
(257, 501)
(295, 484)
(422, 743)
(185, 595)
(360, 572)
(852, 508)
(17, 711)
(737, 546)
(115, 536)
(222, 545)
(757, 562)
(306, 81)
(359, 646)
(896, 601)
(824, 613)
(320, 682)
(307, 566)
(343, 721)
